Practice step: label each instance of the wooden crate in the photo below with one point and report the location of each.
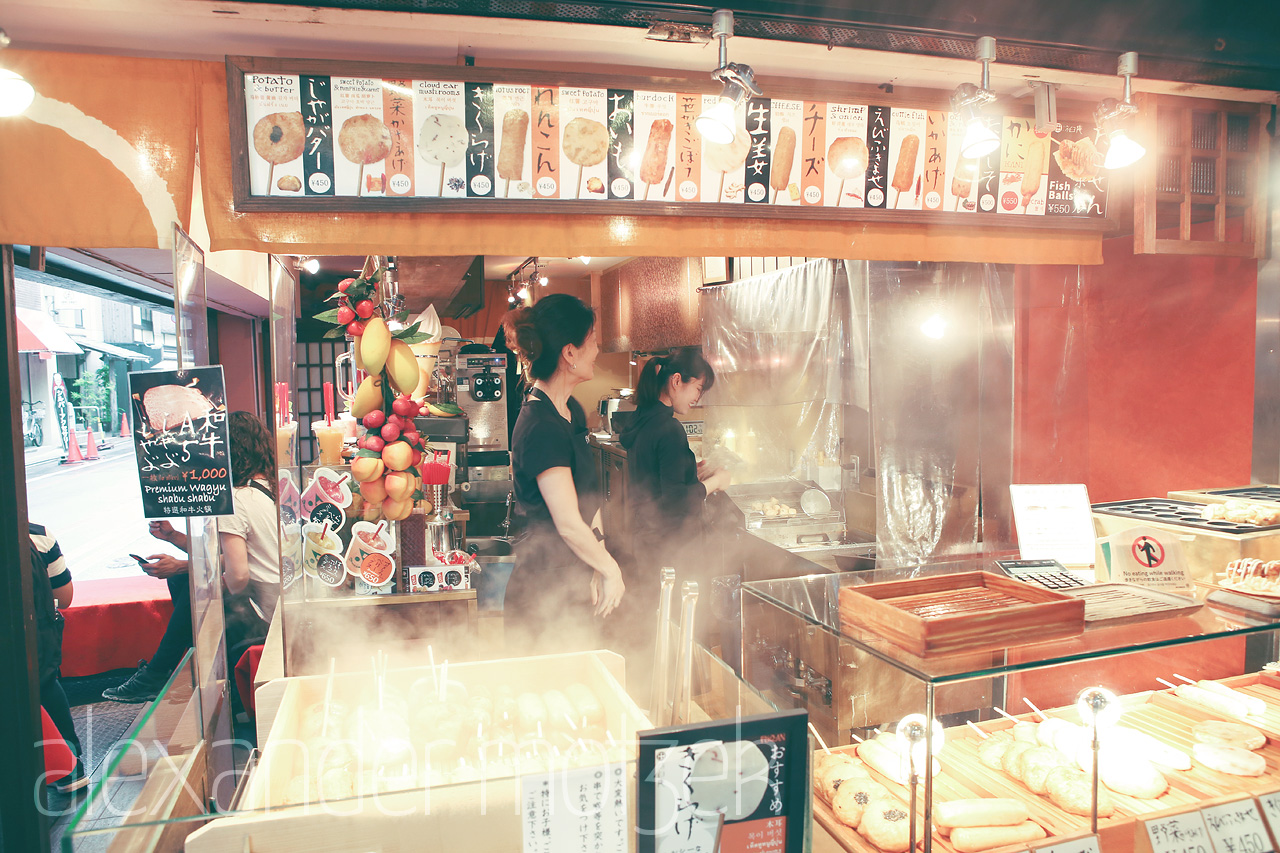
(961, 612)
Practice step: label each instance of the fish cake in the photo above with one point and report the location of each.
(279, 137)
(992, 750)
(586, 141)
(442, 139)
(364, 140)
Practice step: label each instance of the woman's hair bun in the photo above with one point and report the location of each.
(539, 334)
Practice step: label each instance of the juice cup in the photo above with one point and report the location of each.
(285, 436)
(366, 539)
(329, 438)
(321, 555)
(428, 354)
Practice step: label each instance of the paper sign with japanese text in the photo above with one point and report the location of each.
(580, 809)
(1180, 833)
(584, 143)
(933, 169)
(512, 111)
(743, 781)
(397, 109)
(1237, 827)
(688, 148)
(784, 169)
(813, 154)
(442, 139)
(906, 184)
(655, 148)
(182, 443)
(846, 156)
(544, 142)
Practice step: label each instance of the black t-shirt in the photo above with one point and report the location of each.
(543, 440)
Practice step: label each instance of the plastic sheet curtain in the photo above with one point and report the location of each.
(778, 343)
(938, 345)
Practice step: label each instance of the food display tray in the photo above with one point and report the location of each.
(962, 612)
(1114, 602)
(1270, 494)
(1177, 513)
(1159, 714)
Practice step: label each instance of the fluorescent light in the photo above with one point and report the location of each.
(16, 94)
(1122, 151)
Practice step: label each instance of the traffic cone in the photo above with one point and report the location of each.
(91, 446)
(73, 456)
(124, 425)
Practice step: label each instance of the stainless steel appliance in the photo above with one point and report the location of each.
(481, 381)
(621, 400)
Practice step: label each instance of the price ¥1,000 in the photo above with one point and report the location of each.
(205, 474)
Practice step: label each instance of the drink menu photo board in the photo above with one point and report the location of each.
(181, 440)
(736, 786)
(414, 141)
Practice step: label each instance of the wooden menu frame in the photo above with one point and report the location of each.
(239, 66)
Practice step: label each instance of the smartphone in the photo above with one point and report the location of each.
(142, 561)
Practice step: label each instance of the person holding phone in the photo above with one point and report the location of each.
(145, 684)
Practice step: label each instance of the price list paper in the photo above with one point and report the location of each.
(1237, 827)
(1181, 833)
(583, 809)
(1271, 810)
(181, 442)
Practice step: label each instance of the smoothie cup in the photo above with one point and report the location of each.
(285, 436)
(366, 539)
(321, 554)
(329, 438)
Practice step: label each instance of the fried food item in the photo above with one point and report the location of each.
(653, 167)
(515, 131)
(847, 158)
(364, 139)
(972, 839)
(981, 811)
(1033, 171)
(886, 824)
(962, 180)
(1126, 772)
(1079, 159)
(854, 797)
(442, 139)
(836, 775)
(1036, 764)
(727, 156)
(1072, 791)
(784, 157)
(279, 137)
(904, 172)
(1222, 733)
(991, 751)
(586, 141)
(1229, 759)
(289, 183)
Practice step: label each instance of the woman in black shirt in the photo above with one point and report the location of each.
(564, 578)
(666, 484)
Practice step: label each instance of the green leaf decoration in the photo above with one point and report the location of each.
(330, 316)
(336, 332)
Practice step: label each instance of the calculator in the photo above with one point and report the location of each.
(1049, 574)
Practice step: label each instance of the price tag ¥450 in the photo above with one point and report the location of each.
(1237, 827)
(1180, 833)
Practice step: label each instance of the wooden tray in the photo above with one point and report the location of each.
(1159, 714)
(963, 612)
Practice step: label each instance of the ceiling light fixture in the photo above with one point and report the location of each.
(968, 100)
(586, 259)
(1046, 98)
(311, 266)
(719, 124)
(16, 94)
(522, 293)
(1112, 116)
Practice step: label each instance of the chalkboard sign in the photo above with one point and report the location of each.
(181, 442)
(731, 785)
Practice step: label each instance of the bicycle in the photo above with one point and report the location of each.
(32, 423)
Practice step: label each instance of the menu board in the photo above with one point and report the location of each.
(181, 442)
(319, 136)
(735, 786)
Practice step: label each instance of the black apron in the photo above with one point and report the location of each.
(550, 585)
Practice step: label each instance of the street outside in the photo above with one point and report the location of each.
(95, 511)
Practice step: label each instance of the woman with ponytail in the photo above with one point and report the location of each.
(667, 485)
(564, 579)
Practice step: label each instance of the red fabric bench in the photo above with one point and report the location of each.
(113, 623)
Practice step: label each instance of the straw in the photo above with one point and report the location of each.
(328, 697)
(980, 732)
(1034, 708)
(378, 532)
(822, 743)
(324, 531)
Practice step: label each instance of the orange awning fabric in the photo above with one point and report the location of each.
(37, 333)
(104, 157)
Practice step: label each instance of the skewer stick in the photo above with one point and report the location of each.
(856, 738)
(577, 191)
(720, 191)
(1041, 714)
(271, 173)
(715, 843)
(328, 698)
(840, 198)
(897, 196)
(1184, 678)
(506, 188)
(360, 182)
(1006, 715)
(980, 732)
(822, 743)
(572, 727)
(645, 197)
(431, 658)
(444, 679)
(440, 188)
(1167, 684)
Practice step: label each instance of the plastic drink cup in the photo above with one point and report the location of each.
(285, 436)
(330, 440)
(316, 546)
(365, 540)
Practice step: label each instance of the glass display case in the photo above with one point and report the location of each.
(1143, 677)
